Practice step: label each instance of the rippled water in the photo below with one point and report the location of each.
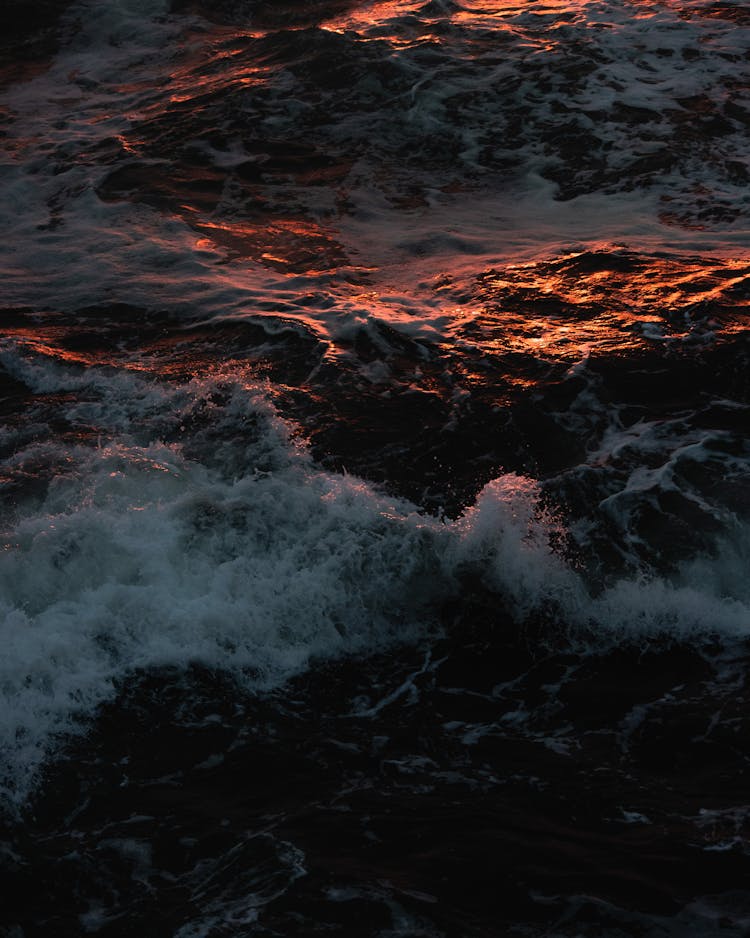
(374, 381)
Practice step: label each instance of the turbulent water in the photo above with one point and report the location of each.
(375, 453)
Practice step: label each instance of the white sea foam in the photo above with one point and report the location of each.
(512, 540)
(242, 555)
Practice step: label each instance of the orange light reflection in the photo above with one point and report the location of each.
(605, 303)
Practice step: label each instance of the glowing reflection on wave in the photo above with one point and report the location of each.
(607, 303)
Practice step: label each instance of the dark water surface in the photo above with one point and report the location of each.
(376, 521)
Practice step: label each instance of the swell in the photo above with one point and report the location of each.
(178, 524)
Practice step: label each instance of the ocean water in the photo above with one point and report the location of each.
(375, 462)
